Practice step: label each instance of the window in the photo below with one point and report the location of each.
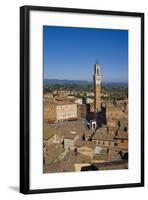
(115, 144)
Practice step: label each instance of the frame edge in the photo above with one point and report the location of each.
(24, 100)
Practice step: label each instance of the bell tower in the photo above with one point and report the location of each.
(97, 83)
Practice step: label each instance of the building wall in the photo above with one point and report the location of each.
(123, 144)
(69, 143)
(68, 111)
(49, 112)
(53, 112)
(83, 110)
(86, 151)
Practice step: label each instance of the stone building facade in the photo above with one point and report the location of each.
(66, 111)
(49, 112)
(59, 111)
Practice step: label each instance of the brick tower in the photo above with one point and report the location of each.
(97, 83)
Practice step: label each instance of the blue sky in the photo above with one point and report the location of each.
(70, 53)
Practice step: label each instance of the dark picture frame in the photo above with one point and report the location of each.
(25, 95)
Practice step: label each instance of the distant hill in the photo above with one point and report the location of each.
(48, 82)
(58, 81)
(115, 84)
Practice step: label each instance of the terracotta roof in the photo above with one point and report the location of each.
(101, 130)
(89, 132)
(112, 128)
(48, 132)
(58, 102)
(59, 167)
(101, 157)
(53, 151)
(70, 136)
(114, 148)
(65, 127)
(81, 143)
(103, 136)
(75, 157)
(122, 135)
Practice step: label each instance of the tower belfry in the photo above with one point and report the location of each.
(97, 83)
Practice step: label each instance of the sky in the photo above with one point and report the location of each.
(70, 53)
